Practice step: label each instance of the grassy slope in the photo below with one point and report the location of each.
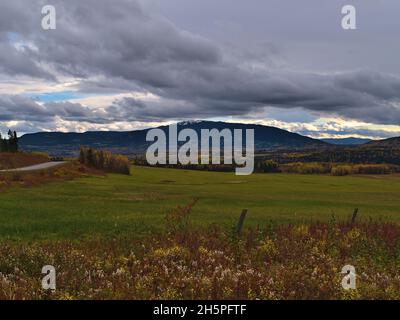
(18, 160)
(137, 204)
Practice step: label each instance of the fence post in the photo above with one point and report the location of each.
(240, 222)
(353, 218)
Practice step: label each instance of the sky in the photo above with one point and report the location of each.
(133, 64)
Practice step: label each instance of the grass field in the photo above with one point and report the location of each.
(123, 237)
(136, 205)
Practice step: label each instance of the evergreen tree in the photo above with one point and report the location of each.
(10, 145)
(2, 144)
(15, 142)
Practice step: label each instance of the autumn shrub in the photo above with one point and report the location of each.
(342, 170)
(104, 160)
(177, 219)
(287, 262)
(306, 168)
(372, 169)
(347, 169)
(268, 166)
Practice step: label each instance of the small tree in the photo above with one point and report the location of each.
(15, 142)
(90, 157)
(271, 166)
(82, 156)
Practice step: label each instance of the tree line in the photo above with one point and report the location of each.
(104, 160)
(270, 166)
(355, 155)
(10, 144)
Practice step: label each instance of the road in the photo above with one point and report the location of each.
(40, 166)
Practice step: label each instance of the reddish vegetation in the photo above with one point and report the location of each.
(19, 159)
(281, 262)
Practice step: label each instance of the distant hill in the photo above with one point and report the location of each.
(346, 141)
(134, 142)
(386, 143)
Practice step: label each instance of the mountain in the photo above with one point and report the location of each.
(385, 143)
(134, 142)
(346, 141)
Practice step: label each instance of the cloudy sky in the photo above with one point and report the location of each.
(129, 64)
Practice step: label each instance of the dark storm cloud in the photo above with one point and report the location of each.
(234, 95)
(22, 108)
(15, 107)
(120, 46)
(18, 62)
(96, 37)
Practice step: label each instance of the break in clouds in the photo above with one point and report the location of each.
(138, 65)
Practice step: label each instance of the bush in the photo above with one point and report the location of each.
(283, 262)
(307, 168)
(372, 169)
(268, 166)
(104, 160)
(342, 170)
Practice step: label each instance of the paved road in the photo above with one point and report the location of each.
(41, 166)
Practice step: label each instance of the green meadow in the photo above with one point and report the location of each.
(118, 205)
